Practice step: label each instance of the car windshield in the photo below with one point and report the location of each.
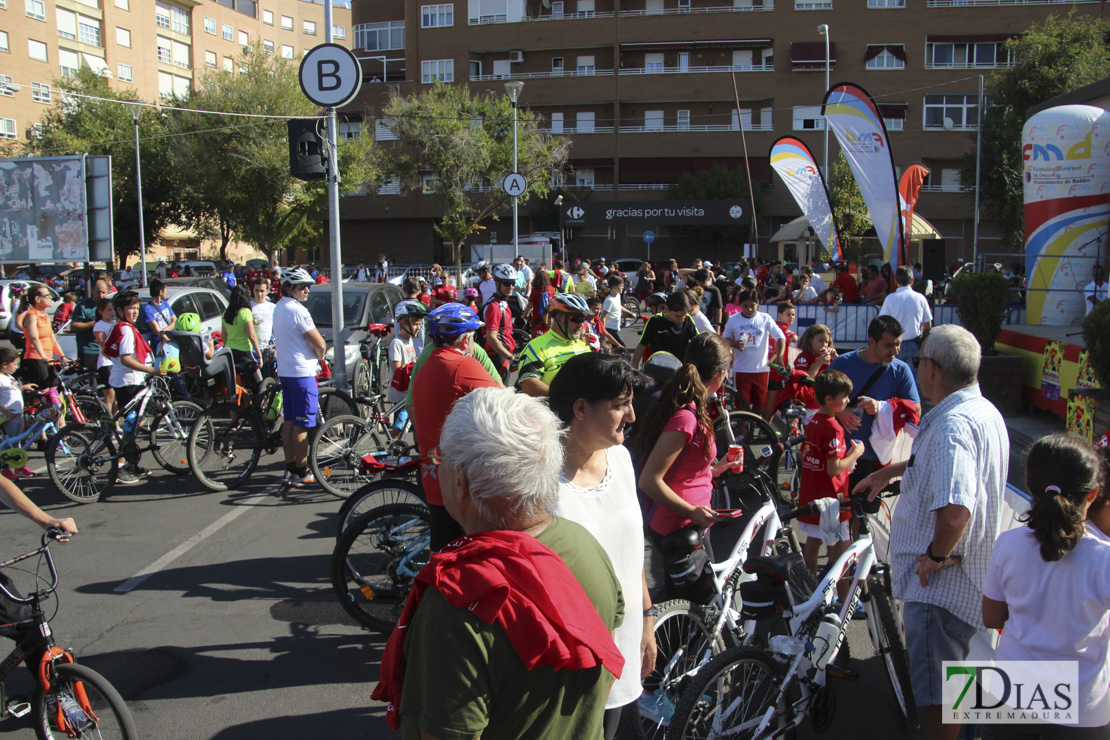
(319, 305)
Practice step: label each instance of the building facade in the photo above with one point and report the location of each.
(644, 89)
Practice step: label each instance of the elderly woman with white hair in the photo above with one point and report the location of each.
(508, 630)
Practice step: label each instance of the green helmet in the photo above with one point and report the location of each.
(188, 322)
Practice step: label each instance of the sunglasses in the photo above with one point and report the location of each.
(576, 319)
(922, 358)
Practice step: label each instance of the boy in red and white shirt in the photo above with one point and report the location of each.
(826, 463)
(781, 347)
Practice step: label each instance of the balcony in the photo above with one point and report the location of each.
(767, 6)
(542, 75)
(489, 20)
(644, 186)
(985, 3)
(692, 128)
(698, 70)
(968, 65)
(569, 130)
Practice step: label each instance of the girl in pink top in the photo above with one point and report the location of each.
(676, 440)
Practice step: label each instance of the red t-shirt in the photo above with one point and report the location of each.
(446, 293)
(806, 362)
(773, 345)
(253, 276)
(824, 442)
(848, 287)
(540, 300)
(445, 377)
(499, 320)
(875, 288)
(690, 475)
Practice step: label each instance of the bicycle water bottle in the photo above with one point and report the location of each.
(825, 639)
(129, 422)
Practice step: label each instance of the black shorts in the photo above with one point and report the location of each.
(88, 359)
(38, 372)
(125, 394)
(774, 385)
(103, 375)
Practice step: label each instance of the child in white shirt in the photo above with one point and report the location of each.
(402, 357)
(105, 320)
(11, 404)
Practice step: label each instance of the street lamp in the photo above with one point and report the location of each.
(512, 89)
(823, 29)
(136, 108)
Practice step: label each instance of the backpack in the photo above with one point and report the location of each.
(111, 344)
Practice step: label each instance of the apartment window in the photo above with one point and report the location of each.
(350, 129)
(586, 66)
(339, 32)
(894, 124)
(123, 4)
(585, 8)
(437, 69)
(180, 19)
(40, 93)
(229, 66)
(653, 120)
(383, 130)
(558, 8)
(813, 5)
(4, 41)
(286, 23)
(584, 178)
(7, 128)
(210, 26)
(428, 184)
(962, 110)
(165, 50)
(437, 16)
(392, 186)
(68, 62)
(886, 3)
(244, 38)
(88, 31)
(286, 51)
(268, 17)
(965, 55)
(653, 63)
(67, 23)
(584, 122)
(7, 89)
(37, 130)
(310, 28)
(380, 36)
(124, 72)
(37, 10)
(683, 120)
(210, 59)
(161, 14)
(556, 123)
(890, 56)
(808, 118)
(123, 37)
(683, 6)
(267, 46)
(556, 66)
(228, 33)
(36, 50)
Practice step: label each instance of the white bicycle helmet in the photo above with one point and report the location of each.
(410, 309)
(296, 276)
(505, 272)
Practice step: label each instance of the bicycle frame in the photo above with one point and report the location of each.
(38, 621)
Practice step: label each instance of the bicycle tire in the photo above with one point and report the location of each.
(745, 679)
(113, 718)
(85, 382)
(681, 639)
(361, 382)
(264, 400)
(376, 494)
(223, 451)
(82, 462)
(630, 304)
(755, 435)
(336, 451)
(333, 403)
(92, 407)
(379, 366)
(893, 651)
(170, 446)
(365, 565)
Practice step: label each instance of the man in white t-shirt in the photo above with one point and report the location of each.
(381, 270)
(485, 284)
(1095, 292)
(749, 334)
(300, 347)
(524, 272)
(913, 313)
(263, 311)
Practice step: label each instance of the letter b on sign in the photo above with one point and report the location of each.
(330, 75)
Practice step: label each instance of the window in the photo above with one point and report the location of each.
(961, 110)
(7, 89)
(40, 93)
(965, 56)
(584, 178)
(35, 9)
(683, 6)
(37, 50)
(556, 123)
(161, 14)
(268, 17)
(894, 124)
(383, 130)
(653, 120)
(88, 31)
(392, 186)
(210, 26)
(123, 4)
(67, 23)
(37, 130)
(180, 19)
(123, 37)
(586, 65)
(653, 63)
(4, 41)
(556, 66)
(437, 16)
(286, 23)
(886, 3)
(310, 28)
(286, 51)
(244, 38)
(886, 57)
(380, 36)
(558, 8)
(228, 33)
(210, 59)
(475, 69)
(585, 8)
(584, 123)
(808, 118)
(229, 66)
(124, 72)
(165, 50)
(350, 129)
(339, 32)
(813, 5)
(268, 46)
(437, 69)
(683, 120)
(7, 128)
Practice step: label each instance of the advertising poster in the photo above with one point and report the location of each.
(1053, 364)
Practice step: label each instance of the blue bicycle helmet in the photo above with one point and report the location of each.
(451, 320)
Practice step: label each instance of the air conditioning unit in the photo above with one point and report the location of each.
(516, 56)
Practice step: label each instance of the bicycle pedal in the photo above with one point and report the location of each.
(842, 672)
(18, 707)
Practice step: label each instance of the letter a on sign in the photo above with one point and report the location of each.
(330, 75)
(515, 185)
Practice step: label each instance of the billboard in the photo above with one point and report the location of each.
(658, 212)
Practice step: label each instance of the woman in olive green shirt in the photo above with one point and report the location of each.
(239, 335)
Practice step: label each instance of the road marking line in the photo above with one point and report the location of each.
(134, 581)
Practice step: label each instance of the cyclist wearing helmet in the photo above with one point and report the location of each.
(402, 354)
(448, 374)
(405, 308)
(669, 331)
(544, 355)
(82, 322)
(300, 347)
(498, 317)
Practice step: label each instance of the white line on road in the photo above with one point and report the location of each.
(135, 580)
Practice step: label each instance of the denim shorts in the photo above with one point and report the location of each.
(300, 400)
(933, 635)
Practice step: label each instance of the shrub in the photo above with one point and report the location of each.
(1096, 333)
(982, 300)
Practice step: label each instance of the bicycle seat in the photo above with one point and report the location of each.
(379, 330)
(219, 371)
(778, 566)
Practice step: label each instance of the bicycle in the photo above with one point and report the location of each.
(83, 458)
(69, 699)
(755, 693)
(376, 354)
(376, 494)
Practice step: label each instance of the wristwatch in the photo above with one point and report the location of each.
(929, 554)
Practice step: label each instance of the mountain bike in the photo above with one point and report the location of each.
(69, 699)
(387, 490)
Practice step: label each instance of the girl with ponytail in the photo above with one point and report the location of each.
(1048, 583)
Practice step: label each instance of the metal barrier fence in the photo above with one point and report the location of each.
(948, 313)
(848, 321)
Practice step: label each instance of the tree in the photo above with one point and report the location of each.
(463, 141)
(87, 119)
(716, 183)
(853, 220)
(1051, 58)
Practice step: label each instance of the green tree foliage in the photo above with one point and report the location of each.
(982, 300)
(91, 121)
(235, 169)
(463, 140)
(716, 183)
(853, 220)
(1052, 58)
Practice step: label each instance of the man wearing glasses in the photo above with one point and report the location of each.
(544, 356)
(300, 347)
(498, 315)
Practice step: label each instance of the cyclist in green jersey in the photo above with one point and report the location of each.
(545, 354)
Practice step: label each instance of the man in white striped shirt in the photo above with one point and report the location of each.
(948, 516)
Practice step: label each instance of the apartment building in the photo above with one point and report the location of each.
(644, 91)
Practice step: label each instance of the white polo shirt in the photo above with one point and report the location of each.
(1098, 292)
(910, 308)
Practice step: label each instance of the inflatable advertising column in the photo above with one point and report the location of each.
(1066, 155)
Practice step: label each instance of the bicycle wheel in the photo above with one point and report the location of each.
(733, 695)
(684, 645)
(82, 462)
(268, 402)
(376, 494)
(92, 407)
(104, 713)
(84, 383)
(892, 648)
(361, 382)
(224, 447)
(333, 403)
(379, 367)
(630, 304)
(169, 437)
(762, 451)
(373, 566)
(336, 451)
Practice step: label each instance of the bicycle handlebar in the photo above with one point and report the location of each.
(855, 503)
(52, 533)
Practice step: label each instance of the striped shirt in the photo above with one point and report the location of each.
(960, 456)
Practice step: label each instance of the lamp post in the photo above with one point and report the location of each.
(136, 109)
(823, 29)
(513, 90)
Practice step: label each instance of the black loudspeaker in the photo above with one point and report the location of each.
(306, 149)
(932, 259)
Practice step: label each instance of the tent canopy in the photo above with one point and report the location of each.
(797, 229)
